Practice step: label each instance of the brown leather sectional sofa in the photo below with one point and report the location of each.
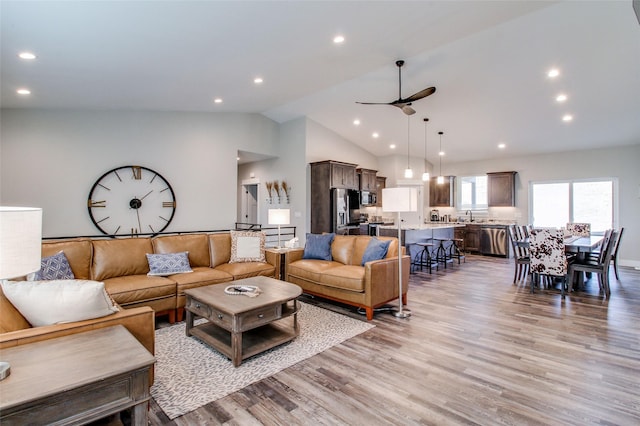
(343, 279)
(122, 265)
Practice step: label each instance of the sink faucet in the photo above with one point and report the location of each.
(469, 213)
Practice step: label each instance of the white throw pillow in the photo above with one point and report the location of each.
(247, 246)
(59, 301)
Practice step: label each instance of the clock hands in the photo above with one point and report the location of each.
(145, 196)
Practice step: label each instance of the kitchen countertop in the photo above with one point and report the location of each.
(434, 225)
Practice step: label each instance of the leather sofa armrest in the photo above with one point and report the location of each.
(139, 321)
(271, 257)
(381, 279)
(293, 255)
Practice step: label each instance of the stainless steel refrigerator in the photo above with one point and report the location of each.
(345, 205)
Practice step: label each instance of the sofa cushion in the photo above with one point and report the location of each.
(77, 251)
(196, 244)
(247, 269)
(201, 276)
(346, 277)
(311, 269)
(247, 246)
(130, 289)
(318, 246)
(168, 264)
(120, 257)
(54, 267)
(376, 250)
(10, 318)
(59, 301)
(342, 248)
(219, 248)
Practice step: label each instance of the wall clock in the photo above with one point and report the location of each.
(131, 200)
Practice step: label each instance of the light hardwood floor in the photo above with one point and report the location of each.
(477, 350)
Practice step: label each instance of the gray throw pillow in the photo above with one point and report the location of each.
(54, 267)
(168, 263)
(376, 250)
(318, 246)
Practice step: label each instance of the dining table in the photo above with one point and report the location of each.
(577, 245)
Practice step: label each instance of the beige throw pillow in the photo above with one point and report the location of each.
(247, 246)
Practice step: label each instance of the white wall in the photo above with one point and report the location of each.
(621, 163)
(324, 144)
(51, 159)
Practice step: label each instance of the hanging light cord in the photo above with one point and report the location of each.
(440, 153)
(408, 141)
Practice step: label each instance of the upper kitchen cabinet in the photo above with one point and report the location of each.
(335, 174)
(367, 180)
(442, 194)
(381, 183)
(501, 189)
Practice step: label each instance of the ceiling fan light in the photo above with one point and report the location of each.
(440, 180)
(425, 176)
(408, 173)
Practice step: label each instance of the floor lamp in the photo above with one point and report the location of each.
(279, 217)
(20, 248)
(400, 200)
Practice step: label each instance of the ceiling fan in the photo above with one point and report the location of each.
(404, 104)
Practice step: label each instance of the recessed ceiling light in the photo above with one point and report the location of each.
(23, 92)
(356, 122)
(375, 135)
(218, 100)
(237, 158)
(502, 146)
(561, 97)
(258, 80)
(441, 153)
(567, 117)
(26, 55)
(392, 146)
(338, 39)
(553, 73)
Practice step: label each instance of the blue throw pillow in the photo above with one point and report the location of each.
(318, 246)
(54, 267)
(376, 250)
(168, 264)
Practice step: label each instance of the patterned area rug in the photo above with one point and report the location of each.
(190, 374)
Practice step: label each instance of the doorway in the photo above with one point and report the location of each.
(249, 208)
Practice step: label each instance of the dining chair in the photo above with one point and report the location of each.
(520, 255)
(579, 229)
(614, 255)
(599, 265)
(546, 247)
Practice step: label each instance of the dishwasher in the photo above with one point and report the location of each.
(494, 240)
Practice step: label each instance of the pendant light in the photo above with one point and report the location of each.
(425, 175)
(408, 173)
(441, 153)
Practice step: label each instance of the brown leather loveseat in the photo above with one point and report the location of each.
(344, 279)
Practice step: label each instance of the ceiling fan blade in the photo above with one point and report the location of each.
(421, 94)
(374, 103)
(408, 110)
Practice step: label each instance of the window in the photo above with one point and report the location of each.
(553, 204)
(473, 192)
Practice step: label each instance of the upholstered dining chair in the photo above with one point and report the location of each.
(520, 255)
(599, 265)
(579, 229)
(546, 247)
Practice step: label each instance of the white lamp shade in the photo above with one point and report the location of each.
(20, 241)
(399, 199)
(279, 217)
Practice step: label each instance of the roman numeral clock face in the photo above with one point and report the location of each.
(131, 200)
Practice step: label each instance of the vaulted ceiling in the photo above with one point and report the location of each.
(487, 59)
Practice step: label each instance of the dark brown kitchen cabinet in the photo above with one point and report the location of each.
(472, 238)
(501, 189)
(343, 175)
(381, 183)
(367, 179)
(442, 194)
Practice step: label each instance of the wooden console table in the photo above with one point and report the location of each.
(76, 379)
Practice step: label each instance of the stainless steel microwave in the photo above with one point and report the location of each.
(367, 198)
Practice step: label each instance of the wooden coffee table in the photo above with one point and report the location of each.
(240, 326)
(76, 379)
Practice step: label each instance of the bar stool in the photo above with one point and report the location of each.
(442, 256)
(456, 250)
(423, 257)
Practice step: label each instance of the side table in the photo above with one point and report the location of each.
(76, 379)
(280, 262)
